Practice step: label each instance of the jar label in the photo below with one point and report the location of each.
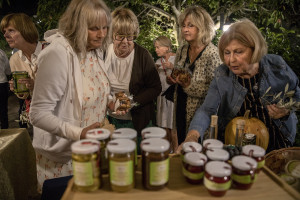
(260, 164)
(121, 173)
(244, 179)
(211, 185)
(193, 176)
(159, 172)
(83, 173)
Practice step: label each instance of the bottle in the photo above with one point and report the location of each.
(213, 130)
(239, 134)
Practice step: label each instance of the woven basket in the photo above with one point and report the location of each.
(277, 159)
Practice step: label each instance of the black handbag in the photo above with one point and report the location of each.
(169, 93)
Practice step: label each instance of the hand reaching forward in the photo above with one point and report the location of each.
(90, 127)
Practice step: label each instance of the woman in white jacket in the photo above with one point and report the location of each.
(72, 88)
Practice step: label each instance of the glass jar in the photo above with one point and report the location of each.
(102, 135)
(155, 163)
(190, 147)
(217, 155)
(85, 160)
(243, 171)
(193, 167)
(212, 144)
(121, 164)
(154, 132)
(217, 178)
(256, 152)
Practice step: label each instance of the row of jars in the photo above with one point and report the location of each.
(210, 164)
(117, 155)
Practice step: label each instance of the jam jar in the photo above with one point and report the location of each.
(154, 132)
(243, 171)
(86, 165)
(190, 147)
(155, 163)
(121, 164)
(217, 155)
(217, 177)
(212, 144)
(256, 152)
(102, 135)
(193, 167)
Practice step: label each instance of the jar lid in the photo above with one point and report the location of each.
(217, 154)
(255, 150)
(244, 163)
(191, 147)
(212, 143)
(195, 158)
(155, 145)
(98, 134)
(85, 146)
(218, 168)
(121, 146)
(124, 133)
(154, 132)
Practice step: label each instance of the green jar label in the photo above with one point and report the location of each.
(83, 173)
(159, 172)
(121, 173)
(216, 186)
(193, 176)
(244, 179)
(260, 164)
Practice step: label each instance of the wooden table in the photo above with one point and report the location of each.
(17, 165)
(267, 186)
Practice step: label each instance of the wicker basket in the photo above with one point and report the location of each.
(277, 159)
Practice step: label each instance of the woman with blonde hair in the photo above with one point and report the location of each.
(72, 86)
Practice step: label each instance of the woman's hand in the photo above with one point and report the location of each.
(192, 136)
(90, 127)
(183, 84)
(168, 64)
(28, 82)
(170, 80)
(275, 112)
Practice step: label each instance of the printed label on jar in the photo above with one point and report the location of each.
(121, 173)
(244, 179)
(260, 164)
(83, 173)
(193, 176)
(159, 172)
(216, 186)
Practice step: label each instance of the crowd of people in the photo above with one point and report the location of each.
(92, 56)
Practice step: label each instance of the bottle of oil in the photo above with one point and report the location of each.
(213, 130)
(239, 134)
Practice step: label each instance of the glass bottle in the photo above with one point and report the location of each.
(239, 134)
(213, 130)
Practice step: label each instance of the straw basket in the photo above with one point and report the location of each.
(277, 159)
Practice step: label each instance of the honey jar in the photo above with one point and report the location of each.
(217, 155)
(86, 165)
(243, 171)
(193, 167)
(121, 164)
(256, 152)
(212, 144)
(155, 163)
(190, 147)
(154, 132)
(102, 135)
(217, 178)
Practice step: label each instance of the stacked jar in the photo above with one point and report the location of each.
(154, 132)
(217, 155)
(193, 167)
(190, 147)
(212, 144)
(256, 152)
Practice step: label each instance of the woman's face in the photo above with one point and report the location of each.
(96, 35)
(237, 57)
(13, 37)
(189, 30)
(123, 43)
(161, 51)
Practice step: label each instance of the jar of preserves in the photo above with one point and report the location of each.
(121, 164)
(86, 165)
(193, 167)
(155, 163)
(243, 171)
(190, 147)
(154, 132)
(102, 135)
(217, 178)
(256, 152)
(217, 155)
(212, 144)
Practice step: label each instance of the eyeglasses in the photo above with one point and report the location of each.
(122, 37)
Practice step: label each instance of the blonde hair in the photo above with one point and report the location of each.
(202, 20)
(79, 17)
(23, 24)
(247, 34)
(164, 41)
(124, 21)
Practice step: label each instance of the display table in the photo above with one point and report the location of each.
(267, 186)
(18, 178)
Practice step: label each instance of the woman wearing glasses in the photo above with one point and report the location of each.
(131, 69)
